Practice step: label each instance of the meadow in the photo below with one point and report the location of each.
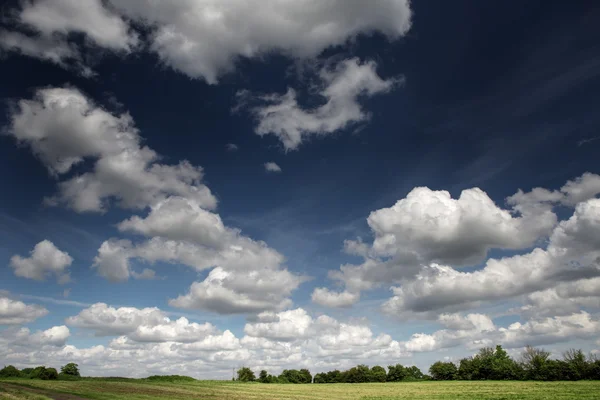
(147, 390)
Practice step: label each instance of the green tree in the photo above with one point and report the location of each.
(263, 376)
(443, 371)
(245, 374)
(534, 362)
(413, 373)
(305, 376)
(9, 371)
(48, 374)
(396, 373)
(378, 374)
(576, 365)
(70, 369)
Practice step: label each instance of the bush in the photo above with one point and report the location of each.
(170, 378)
(48, 374)
(66, 377)
(70, 369)
(245, 374)
(9, 372)
(443, 371)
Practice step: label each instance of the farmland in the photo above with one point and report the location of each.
(141, 389)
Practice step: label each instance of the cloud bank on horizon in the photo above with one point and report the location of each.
(478, 269)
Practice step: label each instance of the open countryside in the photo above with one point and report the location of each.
(490, 374)
(106, 389)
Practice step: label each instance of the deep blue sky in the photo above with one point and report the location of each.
(499, 95)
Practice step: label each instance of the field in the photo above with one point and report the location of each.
(107, 389)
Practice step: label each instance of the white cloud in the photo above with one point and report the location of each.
(63, 127)
(477, 330)
(583, 188)
(45, 259)
(542, 331)
(563, 299)
(325, 297)
(246, 276)
(572, 254)
(231, 292)
(55, 336)
(147, 343)
(101, 26)
(272, 167)
(421, 241)
(105, 320)
(340, 87)
(457, 232)
(15, 312)
(204, 38)
(53, 22)
(46, 48)
(180, 330)
(284, 326)
(232, 147)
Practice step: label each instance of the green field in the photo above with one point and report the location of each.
(107, 389)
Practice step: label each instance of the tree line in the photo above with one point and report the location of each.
(67, 372)
(488, 364)
(534, 364)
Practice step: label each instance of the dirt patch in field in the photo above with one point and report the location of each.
(47, 393)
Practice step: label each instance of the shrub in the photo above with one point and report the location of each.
(70, 369)
(10, 372)
(443, 371)
(245, 374)
(170, 378)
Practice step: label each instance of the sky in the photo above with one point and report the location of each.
(190, 187)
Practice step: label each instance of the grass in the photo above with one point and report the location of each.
(485, 390)
(7, 393)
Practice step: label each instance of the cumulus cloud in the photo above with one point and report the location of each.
(56, 336)
(15, 312)
(45, 259)
(146, 342)
(272, 167)
(63, 127)
(246, 277)
(53, 23)
(477, 330)
(325, 297)
(202, 38)
(341, 88)
(572, 254)
(421, 242)
(105, 320)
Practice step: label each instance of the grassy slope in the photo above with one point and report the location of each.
(105, 389)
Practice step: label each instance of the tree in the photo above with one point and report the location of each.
(443, 371)
(70, 369)
(48, 374)
(263, 376)
(534, 362)
(305, 376)
(378, 374)
(245, 374)
(577, 365)
(396, 373)
(10, 371)
(413, 373)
